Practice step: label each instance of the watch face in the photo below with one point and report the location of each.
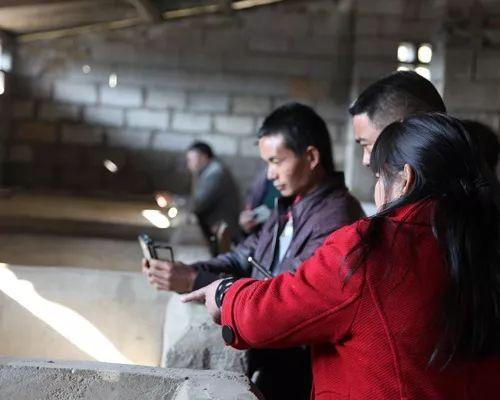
(222, 289)
(228, 334)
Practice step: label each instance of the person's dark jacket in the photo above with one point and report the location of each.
(315, 217)
(216, 199)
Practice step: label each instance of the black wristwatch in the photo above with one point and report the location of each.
(222, 289)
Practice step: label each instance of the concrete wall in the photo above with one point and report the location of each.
(79, 314)
(108, 316)
(215, 78)
(212, 78)
(34, 380)
(472, 75)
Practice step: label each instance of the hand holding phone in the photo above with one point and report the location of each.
(150, 248)
(261, 213)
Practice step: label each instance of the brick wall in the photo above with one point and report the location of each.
(472, 75)
(212, 79)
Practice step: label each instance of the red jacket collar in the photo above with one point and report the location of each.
(419, 213)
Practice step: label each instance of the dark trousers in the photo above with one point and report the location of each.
(284, 374)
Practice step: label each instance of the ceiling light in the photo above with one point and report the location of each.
(172, 213)
(110, 166)
(156, 218)
(113, 80)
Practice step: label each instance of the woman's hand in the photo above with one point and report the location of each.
(206, 295)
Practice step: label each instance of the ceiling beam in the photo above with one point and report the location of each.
(27, 3)
(59, 33)
(147, 10)
(126, 23)
(225, 6)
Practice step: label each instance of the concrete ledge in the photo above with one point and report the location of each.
(80, 314)
(24, 379)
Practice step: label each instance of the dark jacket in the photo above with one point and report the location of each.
(215, 198)
(316, 216)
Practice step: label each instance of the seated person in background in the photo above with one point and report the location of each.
(401, 305)
(215, 198)
(259, 203)
(295, 143)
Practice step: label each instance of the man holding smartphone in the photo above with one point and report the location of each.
(295, 143)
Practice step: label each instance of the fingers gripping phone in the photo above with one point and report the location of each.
(261, 214)
(150, 248)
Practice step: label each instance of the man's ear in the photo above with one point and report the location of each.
(408, 179)
(313, 157)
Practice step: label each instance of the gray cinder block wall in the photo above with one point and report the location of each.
(215, 78)
(212, 78)
(472, 74)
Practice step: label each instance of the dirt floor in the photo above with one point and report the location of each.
(57, 230)
(84, 252)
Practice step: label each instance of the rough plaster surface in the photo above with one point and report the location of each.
(50, 312)
(192, 340)
(39, 380)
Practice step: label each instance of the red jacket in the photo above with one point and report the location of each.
(372, 337)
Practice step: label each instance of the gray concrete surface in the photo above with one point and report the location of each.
(192, 340)
(83, 252)
(108, 316)
(23, 379)
(80, 314)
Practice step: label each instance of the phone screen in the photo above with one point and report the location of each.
(165, 253)
(147, 247)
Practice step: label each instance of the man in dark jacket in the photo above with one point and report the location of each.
(215, 198)
(295, 143)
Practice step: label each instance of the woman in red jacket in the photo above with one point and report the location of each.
(402, 305)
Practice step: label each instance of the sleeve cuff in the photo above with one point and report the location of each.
(204, 278)
(230, 330)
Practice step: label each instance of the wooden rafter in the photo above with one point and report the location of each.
(147, 10)
(219, 7)
(27, 3)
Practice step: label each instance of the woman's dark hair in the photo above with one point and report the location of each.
(301, 127)
(487, 141)
(201, 147)
(448, 171)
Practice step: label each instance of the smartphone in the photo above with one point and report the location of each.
(261, 213)
(150, 249)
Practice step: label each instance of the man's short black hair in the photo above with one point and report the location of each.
(301, 127)
(202, 147)
(397, 96)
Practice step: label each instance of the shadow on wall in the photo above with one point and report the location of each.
(65, 321)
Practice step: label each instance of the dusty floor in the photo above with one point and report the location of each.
(56, 230)
(98, 253)
(75, 208)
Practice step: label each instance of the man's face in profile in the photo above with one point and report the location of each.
(289, 172)
(365, 134)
